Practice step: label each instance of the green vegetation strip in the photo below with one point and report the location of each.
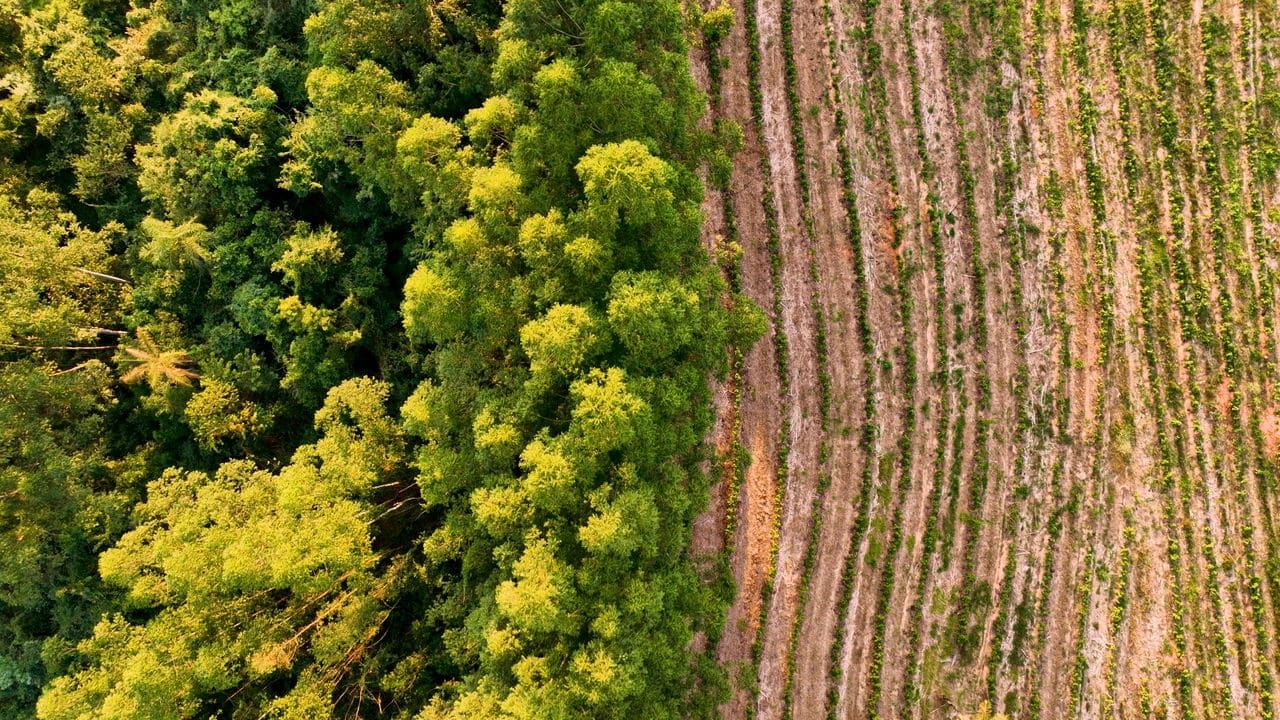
(870, 429)
(781, 348)
(820, 324)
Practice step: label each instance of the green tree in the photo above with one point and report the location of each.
(208, 161)
(248, 577)
(563, 340)
(58, 290)
(175, 247)
(159, 368)
(366, 104)
(654, 316)
(218, 415)
(311, 260)
(584, 228)
(58, 505)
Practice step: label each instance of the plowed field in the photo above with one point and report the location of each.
(1012, 435)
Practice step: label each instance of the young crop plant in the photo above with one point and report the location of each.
(960, 67)
(1009, 28)
(958, 628)
(1119, 604)
(781, 347)
(1167, 469)
(875, 124)
(1047, 573)
(800, 159)
(1083, 595)
(906, 446)
(1217, 54)
(1086, 125)
(1213, 332)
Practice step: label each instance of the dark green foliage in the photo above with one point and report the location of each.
(57, 507)
(584, 247)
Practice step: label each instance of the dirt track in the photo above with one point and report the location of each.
(1047, 478)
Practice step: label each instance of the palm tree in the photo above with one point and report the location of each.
(175, 247)
(157, 366)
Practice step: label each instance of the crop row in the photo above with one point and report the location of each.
(1194, 327)
(1086, 122)
(1064, 504)
(1263, 157)
(1231, 205)
(1225, 188)
(798, 149)
(1102, 252)
(1197, 322)
(781, 350)
(1215, 334)
(1008, 29)
(947, 380)
(870, 429)
(966, 623)
(1168, 465)
(1063, 508)
(872, 102)
(932, 226)
(1118, 606)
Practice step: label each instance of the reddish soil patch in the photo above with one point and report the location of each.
(1270, 423)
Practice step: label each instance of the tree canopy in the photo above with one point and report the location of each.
(354, 359)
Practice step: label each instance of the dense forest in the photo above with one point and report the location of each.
(354, 360)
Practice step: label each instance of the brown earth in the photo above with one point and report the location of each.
(1271, 433)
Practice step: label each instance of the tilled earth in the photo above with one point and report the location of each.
(1013, 432)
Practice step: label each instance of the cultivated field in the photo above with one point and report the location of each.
(1013, 432)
